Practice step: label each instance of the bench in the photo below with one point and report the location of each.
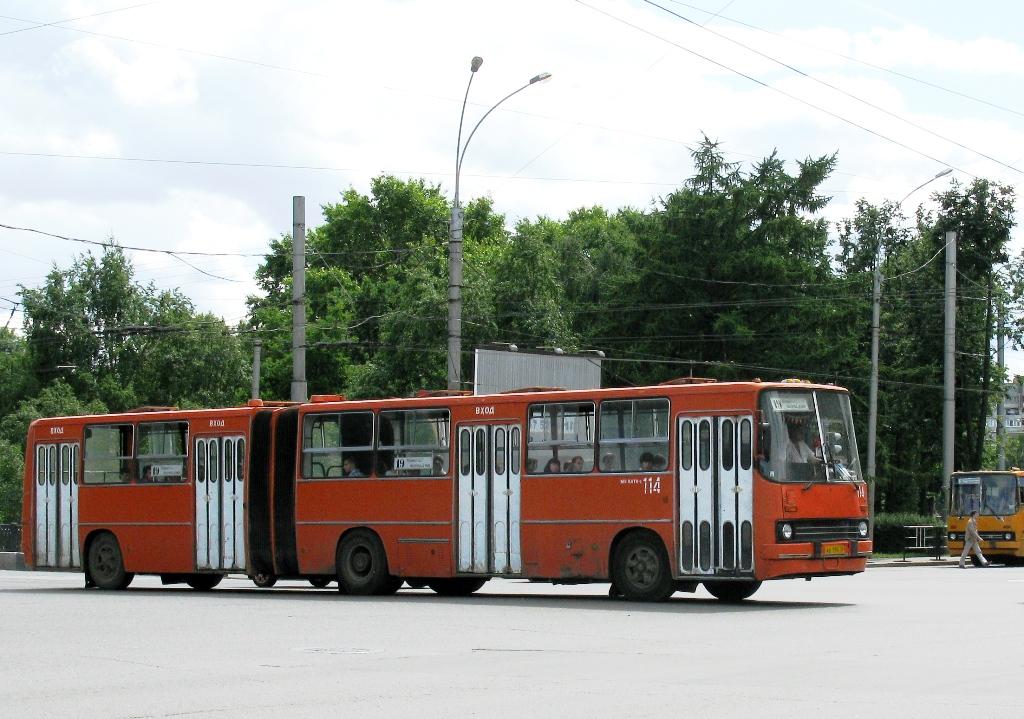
(923, 538)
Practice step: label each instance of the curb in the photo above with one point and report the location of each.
(12, 561)
(947, 561)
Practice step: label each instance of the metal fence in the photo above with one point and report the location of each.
(10, 537)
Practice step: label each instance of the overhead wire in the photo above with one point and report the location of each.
(897, 73)
(833, 87)
(771, 87)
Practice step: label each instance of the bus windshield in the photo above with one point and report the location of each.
(989, 494)
(807, 436)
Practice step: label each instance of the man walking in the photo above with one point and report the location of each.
(972, 541)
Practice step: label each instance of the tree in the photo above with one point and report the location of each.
(125, 344)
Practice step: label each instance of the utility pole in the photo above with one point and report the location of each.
(257, 350)
(949, 374)
(298, 299)
(876, 293)
(1001, 409)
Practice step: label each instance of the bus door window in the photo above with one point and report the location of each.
(561, 438)
(413, 443)
(162, 451)
(109, 454)
(633, 435)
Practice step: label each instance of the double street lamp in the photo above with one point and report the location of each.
(455, 232)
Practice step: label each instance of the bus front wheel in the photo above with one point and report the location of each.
(106, 565)
(732, 591)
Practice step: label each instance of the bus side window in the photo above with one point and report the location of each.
(561, 438)
(413, 443)
(109, 454)
(633, 435)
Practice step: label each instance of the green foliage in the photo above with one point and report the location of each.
(126, 344)
(56, 400)
(890, 535)
(12, 467)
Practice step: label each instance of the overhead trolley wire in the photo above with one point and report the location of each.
(768, 86)
(829, 85)
(872, 65)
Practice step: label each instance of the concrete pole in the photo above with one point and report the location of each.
(949, 374)
(1001, 409)
(876, 294)
(257, 351)
(455, 295)
(298, 299)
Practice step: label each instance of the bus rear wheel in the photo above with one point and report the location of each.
(264, 580)
(456, 586)
(204, 582)
(640, 569)
(106, 565)
(362, 564)
(732, 591)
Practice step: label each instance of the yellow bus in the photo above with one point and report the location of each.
(999, 499)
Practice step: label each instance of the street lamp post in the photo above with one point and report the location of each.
(876, 294)
(455, 232)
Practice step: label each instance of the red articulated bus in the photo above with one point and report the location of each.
(653, 489)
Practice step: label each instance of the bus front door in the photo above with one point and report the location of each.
(56, 506)
(219, 472)
(489, 499)
(716, 496)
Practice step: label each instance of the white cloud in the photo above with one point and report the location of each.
(139, 77)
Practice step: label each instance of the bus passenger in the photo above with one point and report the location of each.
(607, 462)
(576, 465)
(553, 466)
(658, 462)
(349, 468)
(647, 462)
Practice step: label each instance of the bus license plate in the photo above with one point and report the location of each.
(831, 550)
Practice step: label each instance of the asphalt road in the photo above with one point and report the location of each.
(893, 642)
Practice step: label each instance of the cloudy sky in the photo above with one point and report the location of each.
(188, 125)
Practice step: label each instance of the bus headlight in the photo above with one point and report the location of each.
(952, 536)
(862, 528)
(786, 531)
(1007, 536)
